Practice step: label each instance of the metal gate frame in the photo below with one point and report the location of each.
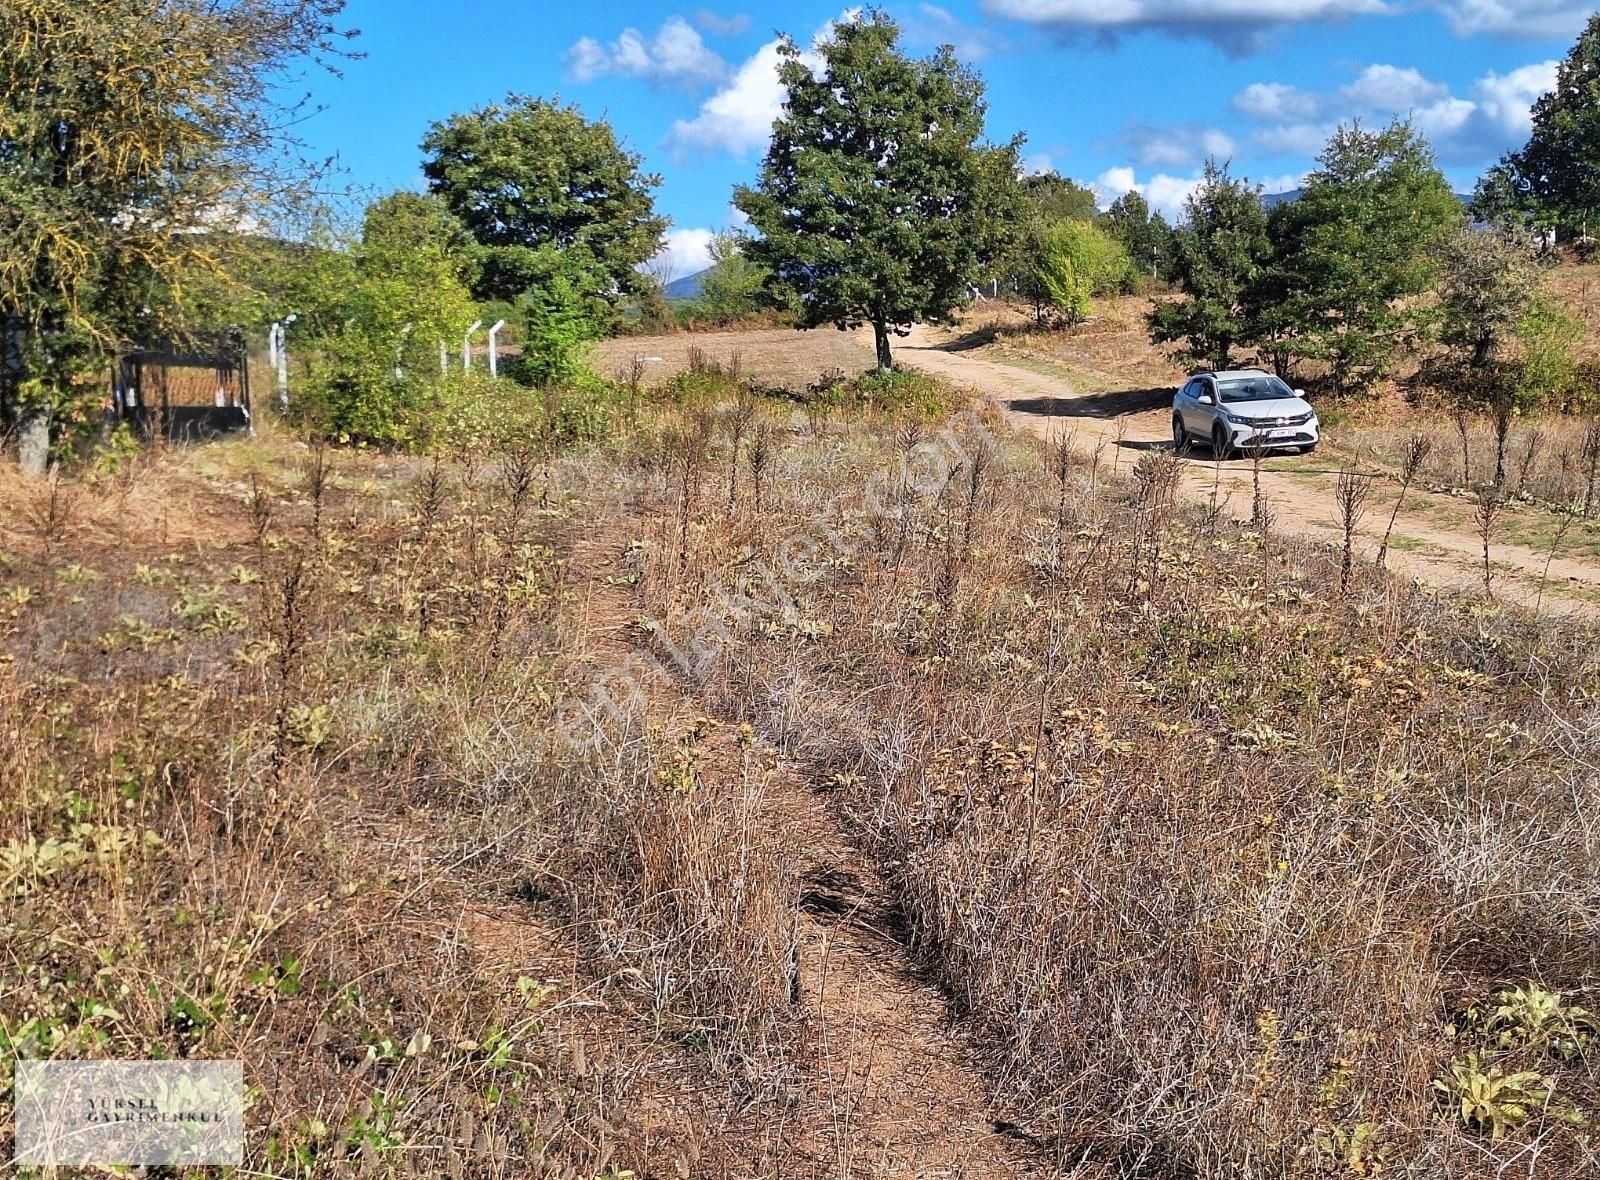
(140, 391)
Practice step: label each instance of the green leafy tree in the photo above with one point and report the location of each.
(1078, 261)
(372, 316)
(1511, 348)
(731, 290)
(1045, 201)
(1144, 234)
(1219, 253)
(1555, 177)
(1053, 197)
(545, 192)
(1356, 248)
(1488, 283)
(412, 265)
(877, 203)
(132, 133)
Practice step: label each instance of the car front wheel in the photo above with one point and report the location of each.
(1221, 443)
(1308, 448)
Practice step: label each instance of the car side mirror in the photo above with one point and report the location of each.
(1205, 399)
(1300, 393)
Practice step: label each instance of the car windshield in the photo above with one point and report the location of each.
(1253, 389)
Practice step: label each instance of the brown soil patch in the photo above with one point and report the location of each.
(784, 358)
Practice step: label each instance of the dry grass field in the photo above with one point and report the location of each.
(755, 793)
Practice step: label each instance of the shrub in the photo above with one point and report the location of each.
(1077, 262)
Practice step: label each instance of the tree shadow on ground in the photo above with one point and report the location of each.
(970, 341)
(1095, 405)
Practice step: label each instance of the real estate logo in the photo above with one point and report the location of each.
(129, 1112)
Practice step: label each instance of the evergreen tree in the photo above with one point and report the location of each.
(1354, 250)
(877, 203)
(1144, 234)
(1218, 255)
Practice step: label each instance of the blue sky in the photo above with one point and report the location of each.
(1114, 93)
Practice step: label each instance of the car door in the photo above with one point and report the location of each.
(1187, 406)
(1198, 420)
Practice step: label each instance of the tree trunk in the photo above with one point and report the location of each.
(33, 440)
(880, 333)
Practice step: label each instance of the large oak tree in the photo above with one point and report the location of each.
(545, 193)
(877, 201)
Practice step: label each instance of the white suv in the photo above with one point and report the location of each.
(1242, 410)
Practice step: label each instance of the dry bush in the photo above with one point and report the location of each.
(1229, 874)
(1215, 866)
(270, 791)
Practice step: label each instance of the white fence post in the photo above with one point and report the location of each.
(494, 348)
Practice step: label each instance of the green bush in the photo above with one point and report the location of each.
(1078, 262)
(897, 391)
(352, 394)
(907, 391)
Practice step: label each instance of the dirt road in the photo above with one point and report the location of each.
(1435, 540)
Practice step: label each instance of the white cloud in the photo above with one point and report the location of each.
(1179, 146)
(1507, 99)
(1294, 139)
(1462, 130)
(1522, 18)
(1441, 121)
(739, 117)
(685, 252)
(1168, 194)
(1115, 182)
(722, 26)
(1275, 101)
(1235, 24)
(1165, 193)
(1242, 24)
(1392, 88)
(1037, 164)
(676, 54)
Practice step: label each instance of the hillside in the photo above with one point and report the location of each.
(688, 287)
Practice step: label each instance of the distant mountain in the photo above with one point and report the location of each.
(1273, 200)
(687, 287)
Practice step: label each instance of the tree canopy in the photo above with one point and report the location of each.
(877, 203)
(731, 289)
(1360, 241)
(545, 192)
(1555, 177)
(132, 134)
(1077, 261)
(1053, 197)
(1219, 254)
(1143, 233)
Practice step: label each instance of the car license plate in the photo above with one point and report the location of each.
(1277, 434)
